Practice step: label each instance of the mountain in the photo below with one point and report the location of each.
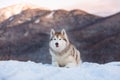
(25, 36)
(100, 41)
(9, 11)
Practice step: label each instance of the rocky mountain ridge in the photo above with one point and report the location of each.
(11, 10)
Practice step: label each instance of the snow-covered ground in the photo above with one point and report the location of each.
(16, 70)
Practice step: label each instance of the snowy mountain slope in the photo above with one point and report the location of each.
(15, 70)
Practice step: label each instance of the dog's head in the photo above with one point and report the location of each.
(58, 40)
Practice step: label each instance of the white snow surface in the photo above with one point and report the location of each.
(18, 70)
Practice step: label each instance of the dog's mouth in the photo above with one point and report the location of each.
(57, 46)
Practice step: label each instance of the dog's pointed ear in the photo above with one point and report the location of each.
(63, 32)
(52, 32)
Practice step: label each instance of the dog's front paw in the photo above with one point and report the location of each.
(69, 65)
(55, 64)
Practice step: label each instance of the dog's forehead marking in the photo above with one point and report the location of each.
(58, 34)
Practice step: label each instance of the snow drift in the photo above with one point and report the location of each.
(16, 70)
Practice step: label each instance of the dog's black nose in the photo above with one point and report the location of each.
(56, 44)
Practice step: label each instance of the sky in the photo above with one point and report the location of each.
(98, 7)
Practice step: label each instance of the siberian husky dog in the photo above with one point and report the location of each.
(63, 53)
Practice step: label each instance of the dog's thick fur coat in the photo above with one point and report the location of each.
(63, 53)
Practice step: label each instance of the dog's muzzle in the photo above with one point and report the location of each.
(56, 44)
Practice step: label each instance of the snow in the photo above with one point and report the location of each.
(17, 70)
(50, 15)
(11, 18)
(37, 21)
